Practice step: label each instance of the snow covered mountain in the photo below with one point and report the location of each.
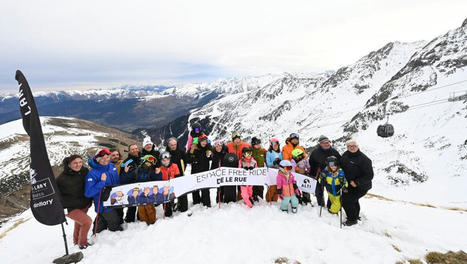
(63, 137)
(411, 83)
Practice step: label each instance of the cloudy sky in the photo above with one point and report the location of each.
(90, 44)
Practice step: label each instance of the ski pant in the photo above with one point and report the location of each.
(147, 213)
(334, 204)
(182, 203)
(168, 208)
(108, 220)
(247, 193)
(289, 199)
(258, 192)
(130, 214)
(230, 194)
(204, 198)
(319, 193)
(351, 204)
(120, 214)
(271, 194)
(82, 225)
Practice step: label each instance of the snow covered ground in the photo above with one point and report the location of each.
(390, 232)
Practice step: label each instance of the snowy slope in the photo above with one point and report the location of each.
(389, 232)
(426, 161)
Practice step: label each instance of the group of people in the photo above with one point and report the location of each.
(346, 178)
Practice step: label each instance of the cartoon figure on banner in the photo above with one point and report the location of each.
(117, 198)
(144, 197)
(168, 193)
(157, 197)
(133, 195)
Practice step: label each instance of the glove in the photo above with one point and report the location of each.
(276, 162)
(249, 168)
(345, 190)
(106, 193)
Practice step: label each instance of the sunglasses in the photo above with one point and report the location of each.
(352, 146)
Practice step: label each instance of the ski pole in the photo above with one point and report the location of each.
(340, 199)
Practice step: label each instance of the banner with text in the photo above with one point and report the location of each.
(157, 192)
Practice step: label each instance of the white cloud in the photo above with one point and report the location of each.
(152, 39)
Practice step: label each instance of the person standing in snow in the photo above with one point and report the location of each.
(132, 162)
(259, 154)
(143, 173)
(218, 154)
(167, 172)
(318, 163)
(98, 185)
(150, 149)
(193, 137)
(70, 183)
(199, 159)
(358, 170)
(302, 166)
(248, 163)
(236, 145)
(333, 180)
(116, 159)
(273, 158)
(291, 143)
(287, 187)
(178, 157)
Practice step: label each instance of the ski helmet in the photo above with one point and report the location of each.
(165, 155)
(202, 137)
(246, 150)
(255, 141)
(196, 125)
(332, 161)
(286, 165)
(273, 141)
(296, 153)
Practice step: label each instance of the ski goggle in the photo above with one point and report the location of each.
(274, 143)
(150, 159)
(332, 164)
(288, 168)
(247, 154)
(197, 129)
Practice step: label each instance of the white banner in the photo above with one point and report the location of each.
(157, 192)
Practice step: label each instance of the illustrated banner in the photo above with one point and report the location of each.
(157, 192)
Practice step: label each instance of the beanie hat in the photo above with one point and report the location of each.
(255, 141)
(101, 153)
(322, 139)
(146, 141)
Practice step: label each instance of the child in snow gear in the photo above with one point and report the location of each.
(259, 154)
(167, 172)
(248, 163)
(287, 187)
(230, 192)
(193, 137)
(291, 143)
(100, 178)
(273, 158)
(333, 179)
(150, 149)
(199, 160)
(301, 165)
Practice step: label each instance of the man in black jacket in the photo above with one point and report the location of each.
(179, 157)
(132, 162)
(318, 163)
(359, 173)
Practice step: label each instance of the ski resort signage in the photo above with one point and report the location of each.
(157, 192)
